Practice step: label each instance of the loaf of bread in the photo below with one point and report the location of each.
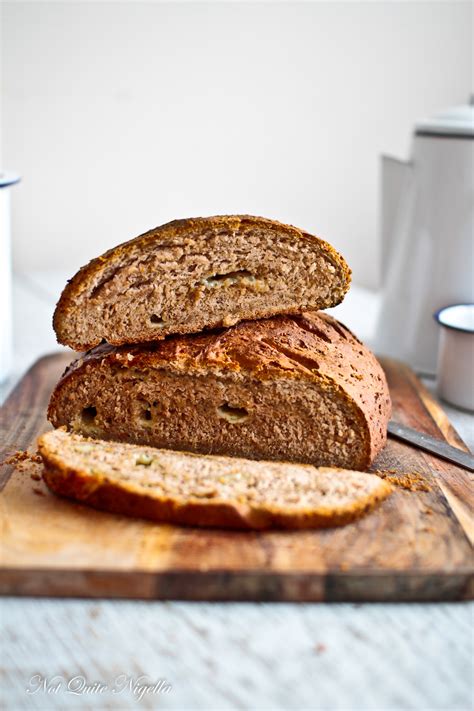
(289, 388)
(194, 274)
(179, 487)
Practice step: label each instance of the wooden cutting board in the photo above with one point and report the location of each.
(415, 546)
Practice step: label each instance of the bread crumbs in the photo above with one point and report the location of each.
(411, 481)
(22, 456)
(26, 463)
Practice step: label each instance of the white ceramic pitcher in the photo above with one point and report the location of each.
(428, 234)
(6, 181)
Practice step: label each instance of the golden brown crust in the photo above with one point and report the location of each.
(312, 346)
(168, 233)
(117, 496)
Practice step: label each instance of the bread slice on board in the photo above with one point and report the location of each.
(292, 388)
(200, 273)
(179, 487)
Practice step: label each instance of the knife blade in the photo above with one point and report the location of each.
(430, 444)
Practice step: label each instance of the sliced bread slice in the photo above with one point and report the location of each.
(198, 490)
(200, 273)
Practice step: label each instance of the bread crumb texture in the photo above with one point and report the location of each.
(189, 275)
(295, 388)
(185, 488)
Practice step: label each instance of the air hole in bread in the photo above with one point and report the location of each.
(232, 414)
(146, 414)
(229, 278)
(89, 414)
(156, 320)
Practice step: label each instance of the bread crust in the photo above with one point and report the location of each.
(100, 492)
(169, 233)
(312, 347)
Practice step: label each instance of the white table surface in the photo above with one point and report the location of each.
(228, 655)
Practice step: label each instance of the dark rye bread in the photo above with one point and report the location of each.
(292, 388)
(190, 489)
(189, 275)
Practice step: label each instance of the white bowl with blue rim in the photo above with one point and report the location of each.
(456, 355)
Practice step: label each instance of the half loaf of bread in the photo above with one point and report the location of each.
(200, 273)
(179, 487)
(292, 388)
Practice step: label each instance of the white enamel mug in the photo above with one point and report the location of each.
(456, 355)
(6, 181)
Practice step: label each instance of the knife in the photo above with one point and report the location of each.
(430, 444)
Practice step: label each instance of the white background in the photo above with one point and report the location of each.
(121, 116)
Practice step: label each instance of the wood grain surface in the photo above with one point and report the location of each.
(415, 546)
